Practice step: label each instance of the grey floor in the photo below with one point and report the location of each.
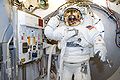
(116, 75)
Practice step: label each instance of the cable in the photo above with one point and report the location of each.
(5, 32)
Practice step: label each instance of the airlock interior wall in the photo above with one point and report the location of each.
(100, 71)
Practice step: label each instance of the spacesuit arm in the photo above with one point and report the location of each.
(99, 44)
(50, 30)
(100, 48)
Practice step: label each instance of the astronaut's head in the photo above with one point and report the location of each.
(72, 17)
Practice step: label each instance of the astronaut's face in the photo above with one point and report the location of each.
(72, 17)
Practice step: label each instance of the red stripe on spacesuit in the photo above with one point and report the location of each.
(90, 27)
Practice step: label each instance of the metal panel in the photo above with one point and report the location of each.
(29, 36)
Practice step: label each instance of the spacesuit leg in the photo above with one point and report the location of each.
(67, 73)
(83, 75)
(78, 74)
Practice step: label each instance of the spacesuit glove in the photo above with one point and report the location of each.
(103, 58)
(53, 22)
(70, 33)
(102, 55)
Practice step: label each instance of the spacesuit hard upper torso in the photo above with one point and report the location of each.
(78, 47)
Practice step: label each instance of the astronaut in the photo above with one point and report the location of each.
(78, 40)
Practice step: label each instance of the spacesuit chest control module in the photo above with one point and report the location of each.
(78, 40)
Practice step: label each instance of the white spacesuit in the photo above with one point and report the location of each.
(77, 43)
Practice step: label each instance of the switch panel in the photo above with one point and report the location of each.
(29, 35)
